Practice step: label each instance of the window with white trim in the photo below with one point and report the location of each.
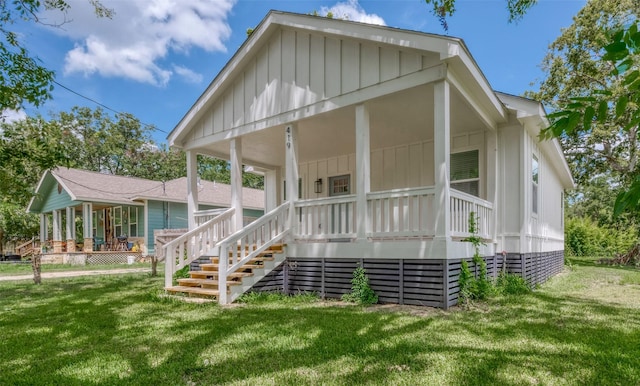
(465, 172)
(133, 222)
(535, 170)
(94, 223)
(117, 220)
(562, 210)
(340, 185)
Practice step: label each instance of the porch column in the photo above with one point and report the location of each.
(363, 170)
(71, 229)
(44, 229)
(492, 180)
(270, 190)
(235, 155)
(57, 231)
(87, 226)
(291, 149)
(192, 188)
(441, 158)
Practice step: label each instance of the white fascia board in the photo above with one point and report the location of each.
(107, 201)
(458, 50)
(38, 187)
(66, 188)
(533, 124)
(259, 34)
(369, 32)
(472, 100)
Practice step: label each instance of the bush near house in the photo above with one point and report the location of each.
(583, 237)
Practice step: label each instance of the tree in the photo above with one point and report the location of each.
(446, 8)
(609, 117)
(22, 78)
(575, 67)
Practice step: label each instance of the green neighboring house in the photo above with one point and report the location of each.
(110, 209)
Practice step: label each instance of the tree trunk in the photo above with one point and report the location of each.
(35, 265)
(154, 265)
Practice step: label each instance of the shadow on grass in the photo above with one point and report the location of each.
(116, 331)
(599, 262)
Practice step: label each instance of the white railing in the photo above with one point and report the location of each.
(202, 216)
(195, 243)
(462, 205)
(326, 218)
(246, 244)
(401, 212)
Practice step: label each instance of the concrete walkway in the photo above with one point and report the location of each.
(53, 275)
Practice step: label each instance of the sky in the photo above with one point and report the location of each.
(154, 58)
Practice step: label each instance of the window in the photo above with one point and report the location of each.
(562, 210)
(117, 221)
(133, 222)
(94, 224)
(284, 189)
(340, 185)
(534, 184)
(465, 172)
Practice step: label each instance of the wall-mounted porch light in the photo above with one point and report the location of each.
(318, 185)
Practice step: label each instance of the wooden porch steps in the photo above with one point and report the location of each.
(205, 281)
(193, 291)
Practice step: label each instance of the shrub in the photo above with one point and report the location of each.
(583, 237)
(471, 287)
(510, 284)
(182, 273)
(361, 292)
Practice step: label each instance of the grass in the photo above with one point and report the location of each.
(583, 327)
(24, 268)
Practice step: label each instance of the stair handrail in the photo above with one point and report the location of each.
(259, 235)
(195, 243)
(18, 249)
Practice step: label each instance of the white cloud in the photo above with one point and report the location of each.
(352, 10)
(10, 116)
(188, 75)
(141, 34)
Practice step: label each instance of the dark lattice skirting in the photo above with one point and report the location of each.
(432, 282)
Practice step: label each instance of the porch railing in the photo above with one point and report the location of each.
(202, 216)
(246, 244)
(196, 243)
(462, 205)
(326, 218)
(401, 212)
(394, 213)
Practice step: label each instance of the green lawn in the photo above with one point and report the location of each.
(583, 327)
(24, 268)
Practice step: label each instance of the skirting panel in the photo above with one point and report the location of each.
(432, 282)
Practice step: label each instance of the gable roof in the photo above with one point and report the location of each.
(87, 186)
(450, 50)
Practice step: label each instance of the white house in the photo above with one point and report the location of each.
(394, 138)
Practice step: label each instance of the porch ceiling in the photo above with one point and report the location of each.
(400, 118)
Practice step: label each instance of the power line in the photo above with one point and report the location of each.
(152, 127)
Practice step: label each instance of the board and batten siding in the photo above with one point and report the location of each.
(519, 229)
(296, 69)
(394, 167)
(545, 232)
(56, 199)
(156, 220)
